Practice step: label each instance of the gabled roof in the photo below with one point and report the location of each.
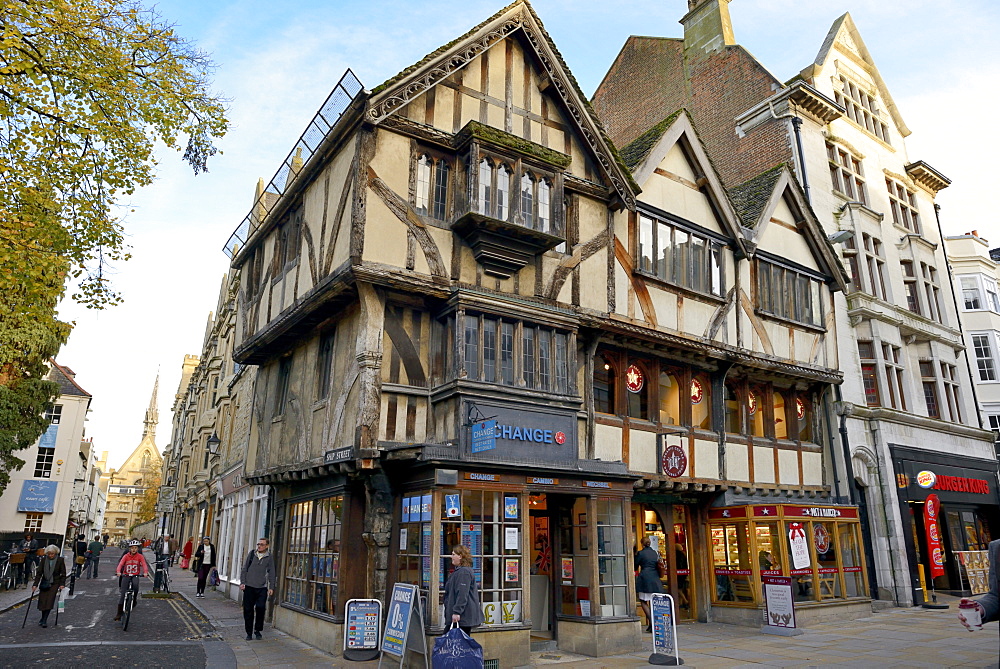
(414, 81)
(759, 197)
(64, 376)
(649, 149)
(751, 197)
(845, 29)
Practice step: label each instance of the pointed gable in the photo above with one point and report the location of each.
(517, 20)
(844, 40)
(670, 164)
(772, 205)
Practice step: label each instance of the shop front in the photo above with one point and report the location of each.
(819, 547)
(671, 523)
(968, 519)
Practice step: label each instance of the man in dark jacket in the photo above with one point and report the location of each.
(79, 551)
(257, 584)
(94, 548)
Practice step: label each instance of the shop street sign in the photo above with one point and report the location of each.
(362, 622)
(664, 624)
(404, 626)
(779, 606)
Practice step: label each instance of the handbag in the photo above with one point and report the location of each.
(80, 559)
(456, 650)
(661, 568)
(45, 585)
(88, 554)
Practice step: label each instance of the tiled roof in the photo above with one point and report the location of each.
(64, 377)
(750, 197)
(639, 148)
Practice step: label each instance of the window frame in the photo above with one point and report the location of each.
(985, 351)
(43, 462)
(429, 204)
(519, 170)
(706, 277)
(324, 362)
(53, 414)
(903, 206)
(796, 286)
(303, 595)
(847, 173)
(283, 381)
(861, 109)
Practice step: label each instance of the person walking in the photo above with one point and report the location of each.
(257, 583)
(93, 555)
(988, 604)
(647, 578)
(28, 546)
(105, 539)
(206, 557)
(461, 592)
(49, 581)
(79, 554)
(132, 564)
(186, 553)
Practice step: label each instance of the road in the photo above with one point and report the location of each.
(161, 633)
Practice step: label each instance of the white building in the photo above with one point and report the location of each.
(40, 494)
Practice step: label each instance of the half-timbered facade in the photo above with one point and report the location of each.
(469, 327)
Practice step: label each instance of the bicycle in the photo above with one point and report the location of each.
(130, 597)
(161, 582)
(7, 578)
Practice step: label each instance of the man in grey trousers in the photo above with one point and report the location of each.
(257, 584)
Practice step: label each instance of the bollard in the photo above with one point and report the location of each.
(72, 580)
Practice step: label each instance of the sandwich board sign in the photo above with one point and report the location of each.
(779, 606)
(664, 624)
(404, 625)
(362, 624)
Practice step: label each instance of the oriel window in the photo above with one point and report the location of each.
(432, 186)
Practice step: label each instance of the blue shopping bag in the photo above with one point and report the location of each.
(456, 650)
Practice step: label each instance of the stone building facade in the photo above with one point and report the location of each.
(907, 403)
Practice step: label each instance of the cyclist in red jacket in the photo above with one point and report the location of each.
(131, 566)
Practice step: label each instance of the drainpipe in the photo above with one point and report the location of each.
(873, 427)
(830, 440)
(796, 127)
(844, 410)
(954, 300)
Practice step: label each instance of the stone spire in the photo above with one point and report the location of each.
(152, 415)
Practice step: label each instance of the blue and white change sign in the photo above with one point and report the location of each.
(664, 630)
(484, 436)
(518, 432)
(404, 627)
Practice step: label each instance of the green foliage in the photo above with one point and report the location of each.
(87, 90)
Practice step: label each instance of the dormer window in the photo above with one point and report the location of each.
(513, 208)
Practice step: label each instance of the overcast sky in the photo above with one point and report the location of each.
(278, 61)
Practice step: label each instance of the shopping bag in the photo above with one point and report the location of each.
(184, 562)
(213, 577)
(456, 650)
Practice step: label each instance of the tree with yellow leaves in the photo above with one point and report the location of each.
(87, 90)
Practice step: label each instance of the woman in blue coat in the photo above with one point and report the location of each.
(647, 578)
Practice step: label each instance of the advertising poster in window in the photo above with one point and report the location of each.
(511, 539)
(451, 505)
(510, 508)
(472, 538)
(799, 546)
(567, 569)
(425, 508)
(425, 549)
(512, 570)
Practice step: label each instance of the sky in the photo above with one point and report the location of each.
(277, 62)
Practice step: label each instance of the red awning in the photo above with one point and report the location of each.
(72, 524)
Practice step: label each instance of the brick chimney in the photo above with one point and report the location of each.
(707, 26)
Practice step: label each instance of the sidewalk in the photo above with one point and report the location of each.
(276, 650)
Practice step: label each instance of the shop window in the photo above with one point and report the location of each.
(701, 402)
(604, 385)
(732, 563)
(850, 555)
(574, 563)
(756, 401)
(670, 399)
(769, 549)
(733, 422)
(312, 556)
(637, 393)
(489, 524)
(414, 543)
(611, 558)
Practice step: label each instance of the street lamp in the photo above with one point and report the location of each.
(213, 444)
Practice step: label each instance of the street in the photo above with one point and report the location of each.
(162, 632)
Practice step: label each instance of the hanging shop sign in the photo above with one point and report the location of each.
(799, 545)
(673, 461)
(932, 526)
(697, 391)
(634, 379)
(518, 432)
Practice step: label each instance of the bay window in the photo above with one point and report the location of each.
(543, 362)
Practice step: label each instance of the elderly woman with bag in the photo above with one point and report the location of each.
(49, 581)
(648, 570)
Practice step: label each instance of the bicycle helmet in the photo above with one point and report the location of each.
(135, 542)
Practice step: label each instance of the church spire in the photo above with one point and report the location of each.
(152, 415)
